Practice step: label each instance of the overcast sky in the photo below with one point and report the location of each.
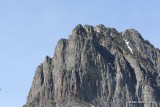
(30, 29)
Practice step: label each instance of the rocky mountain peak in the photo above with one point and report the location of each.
(100, 28)
(98, 67)
(78, 30)
(133, 36)
(89, 28)
(48, 60)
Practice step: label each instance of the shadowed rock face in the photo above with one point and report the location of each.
(98, 67)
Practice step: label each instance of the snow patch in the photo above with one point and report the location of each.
(129, 46)
(111, 34)
(97, 30)
(92, 105)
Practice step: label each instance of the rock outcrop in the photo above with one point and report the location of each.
(98, 67)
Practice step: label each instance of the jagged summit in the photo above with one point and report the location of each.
(98, 67)
(89, 28)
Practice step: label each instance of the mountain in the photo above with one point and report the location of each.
(98, 67)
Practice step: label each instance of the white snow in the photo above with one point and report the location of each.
(92, 105)
(97, 30)
(129, 46)
(111, 34)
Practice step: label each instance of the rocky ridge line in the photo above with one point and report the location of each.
(98, 67)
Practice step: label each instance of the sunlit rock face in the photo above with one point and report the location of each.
(98, 67)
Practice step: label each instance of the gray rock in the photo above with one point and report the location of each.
(98, 67)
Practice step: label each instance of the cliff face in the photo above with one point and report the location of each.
(98, 67)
